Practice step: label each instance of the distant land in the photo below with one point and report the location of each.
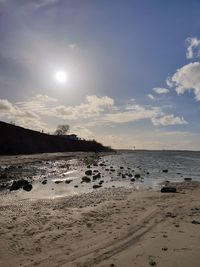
(16, 140)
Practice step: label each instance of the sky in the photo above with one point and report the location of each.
(126, 73)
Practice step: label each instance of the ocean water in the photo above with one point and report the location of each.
(179, 164)
(116, 170)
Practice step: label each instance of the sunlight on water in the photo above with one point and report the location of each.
(139, 170)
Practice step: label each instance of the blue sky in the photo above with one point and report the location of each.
(132, 67)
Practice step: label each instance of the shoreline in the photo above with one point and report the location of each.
(109, 227)
(31, 158)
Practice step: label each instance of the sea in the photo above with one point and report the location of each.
(138, 169)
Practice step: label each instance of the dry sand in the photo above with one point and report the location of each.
(108, 227)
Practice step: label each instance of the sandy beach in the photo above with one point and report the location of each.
(99, 133)
(106, 227)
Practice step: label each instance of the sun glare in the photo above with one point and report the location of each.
(61, 76)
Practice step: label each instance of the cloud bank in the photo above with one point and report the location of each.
(94, 111)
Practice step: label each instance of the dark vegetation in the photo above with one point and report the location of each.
(17, 140)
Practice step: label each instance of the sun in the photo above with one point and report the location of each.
(61, 76)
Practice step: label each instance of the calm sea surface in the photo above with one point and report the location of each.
(115, 171)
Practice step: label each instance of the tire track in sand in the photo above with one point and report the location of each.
(91, 257)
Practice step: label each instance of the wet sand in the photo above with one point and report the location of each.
(30, 158)
(107, 227)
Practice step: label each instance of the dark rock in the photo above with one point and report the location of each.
(152, 262)
(188, 179)
(44, 182)
(27, 187)
(88, 172)
(195, 222)
(96, 186)
(121, 167)
(88, 166)
(58, 182)
(16, 185)
(86, 179)
(123, 176)
(132, 179)
(96, 171)
(5, 175)
(76, 186)
(97, 176)
(137, 175)
(165, 170)
(147, 173)
(68, 181)
(168, 189)
(130, 175)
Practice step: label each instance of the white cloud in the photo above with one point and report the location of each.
(91, 108)
(187, 78)
(95, 111)
(135, 114)
(43, 98)
(23, 117)
(5, 106)
(129, 113)
(104, 101)
(168, 120)
(83, 132)
(193, 47)
(160, 90)
(45, 105)
(150, 96)
(39, 104)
